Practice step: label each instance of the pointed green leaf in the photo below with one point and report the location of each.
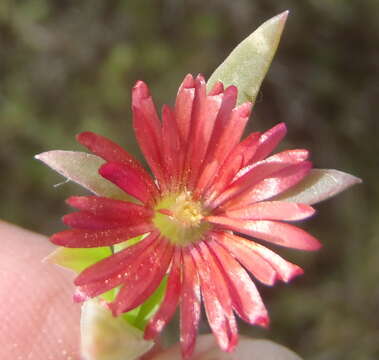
(248, 63)
(82, 168)
(78, 259)
(149, 307)
(319, 185)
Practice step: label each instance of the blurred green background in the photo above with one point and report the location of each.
(68, 66)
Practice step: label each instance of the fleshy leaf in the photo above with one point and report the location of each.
(78, 259)
(82, 168)
(248, 63)
(319, 185)
(104, 337)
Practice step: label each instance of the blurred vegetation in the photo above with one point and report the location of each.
(68, 66)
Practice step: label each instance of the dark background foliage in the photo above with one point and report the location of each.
(68, 66)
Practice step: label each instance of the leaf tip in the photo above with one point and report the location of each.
(40, 156)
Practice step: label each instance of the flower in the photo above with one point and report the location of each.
(210, 194)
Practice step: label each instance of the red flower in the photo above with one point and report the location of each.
(208, 186)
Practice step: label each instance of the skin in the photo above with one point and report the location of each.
(39, 319)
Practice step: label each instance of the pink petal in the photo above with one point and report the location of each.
(213, 307)
(205, 111)
(117, 275)
(275, 232)
(141, 282)
(170, 301)
(183, 107)
(77, 238)
(246, 299)
(285, 270)
(190, 305)
(274, 163)
(86, 220)
(257, 172)
(119, 262)
(233, 163)
(271, 186)
(129, 180)
(223, 294)
(109, 208)
(254, 263)
(269, 141)
(147, 128)
(218, 88)
(272, 210)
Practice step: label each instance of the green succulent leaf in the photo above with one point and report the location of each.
(78, 259)
(248, 63)
(319, 185)
(149, 307)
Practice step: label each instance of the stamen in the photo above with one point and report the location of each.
(180, 218)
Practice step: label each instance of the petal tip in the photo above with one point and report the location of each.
(141, 90)
(79, 296)
(263, 320)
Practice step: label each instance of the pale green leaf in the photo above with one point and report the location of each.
(105, 337)
(82, 168)
(78, 259)
(319, 185)
(248, 63)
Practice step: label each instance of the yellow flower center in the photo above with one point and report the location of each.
(180, 218)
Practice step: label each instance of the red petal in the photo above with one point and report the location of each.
(271, 186)
(223, 294)
(148, 129)
(190, 305)
(170, 301)
(86, 220)
(106, 149)
(118, 274)
(275, 232)
(112, 266)
(213, 306)
(183, 107)
(129, 180)
(110, 208)
(205, 111)
(272, 210)
(77, 238)
(233, 163)
(225, 137)
(253, 262)
(141, 282)
(268, 142)
(246, 299)
(251, 175)
(172, 154)
(218, 151)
